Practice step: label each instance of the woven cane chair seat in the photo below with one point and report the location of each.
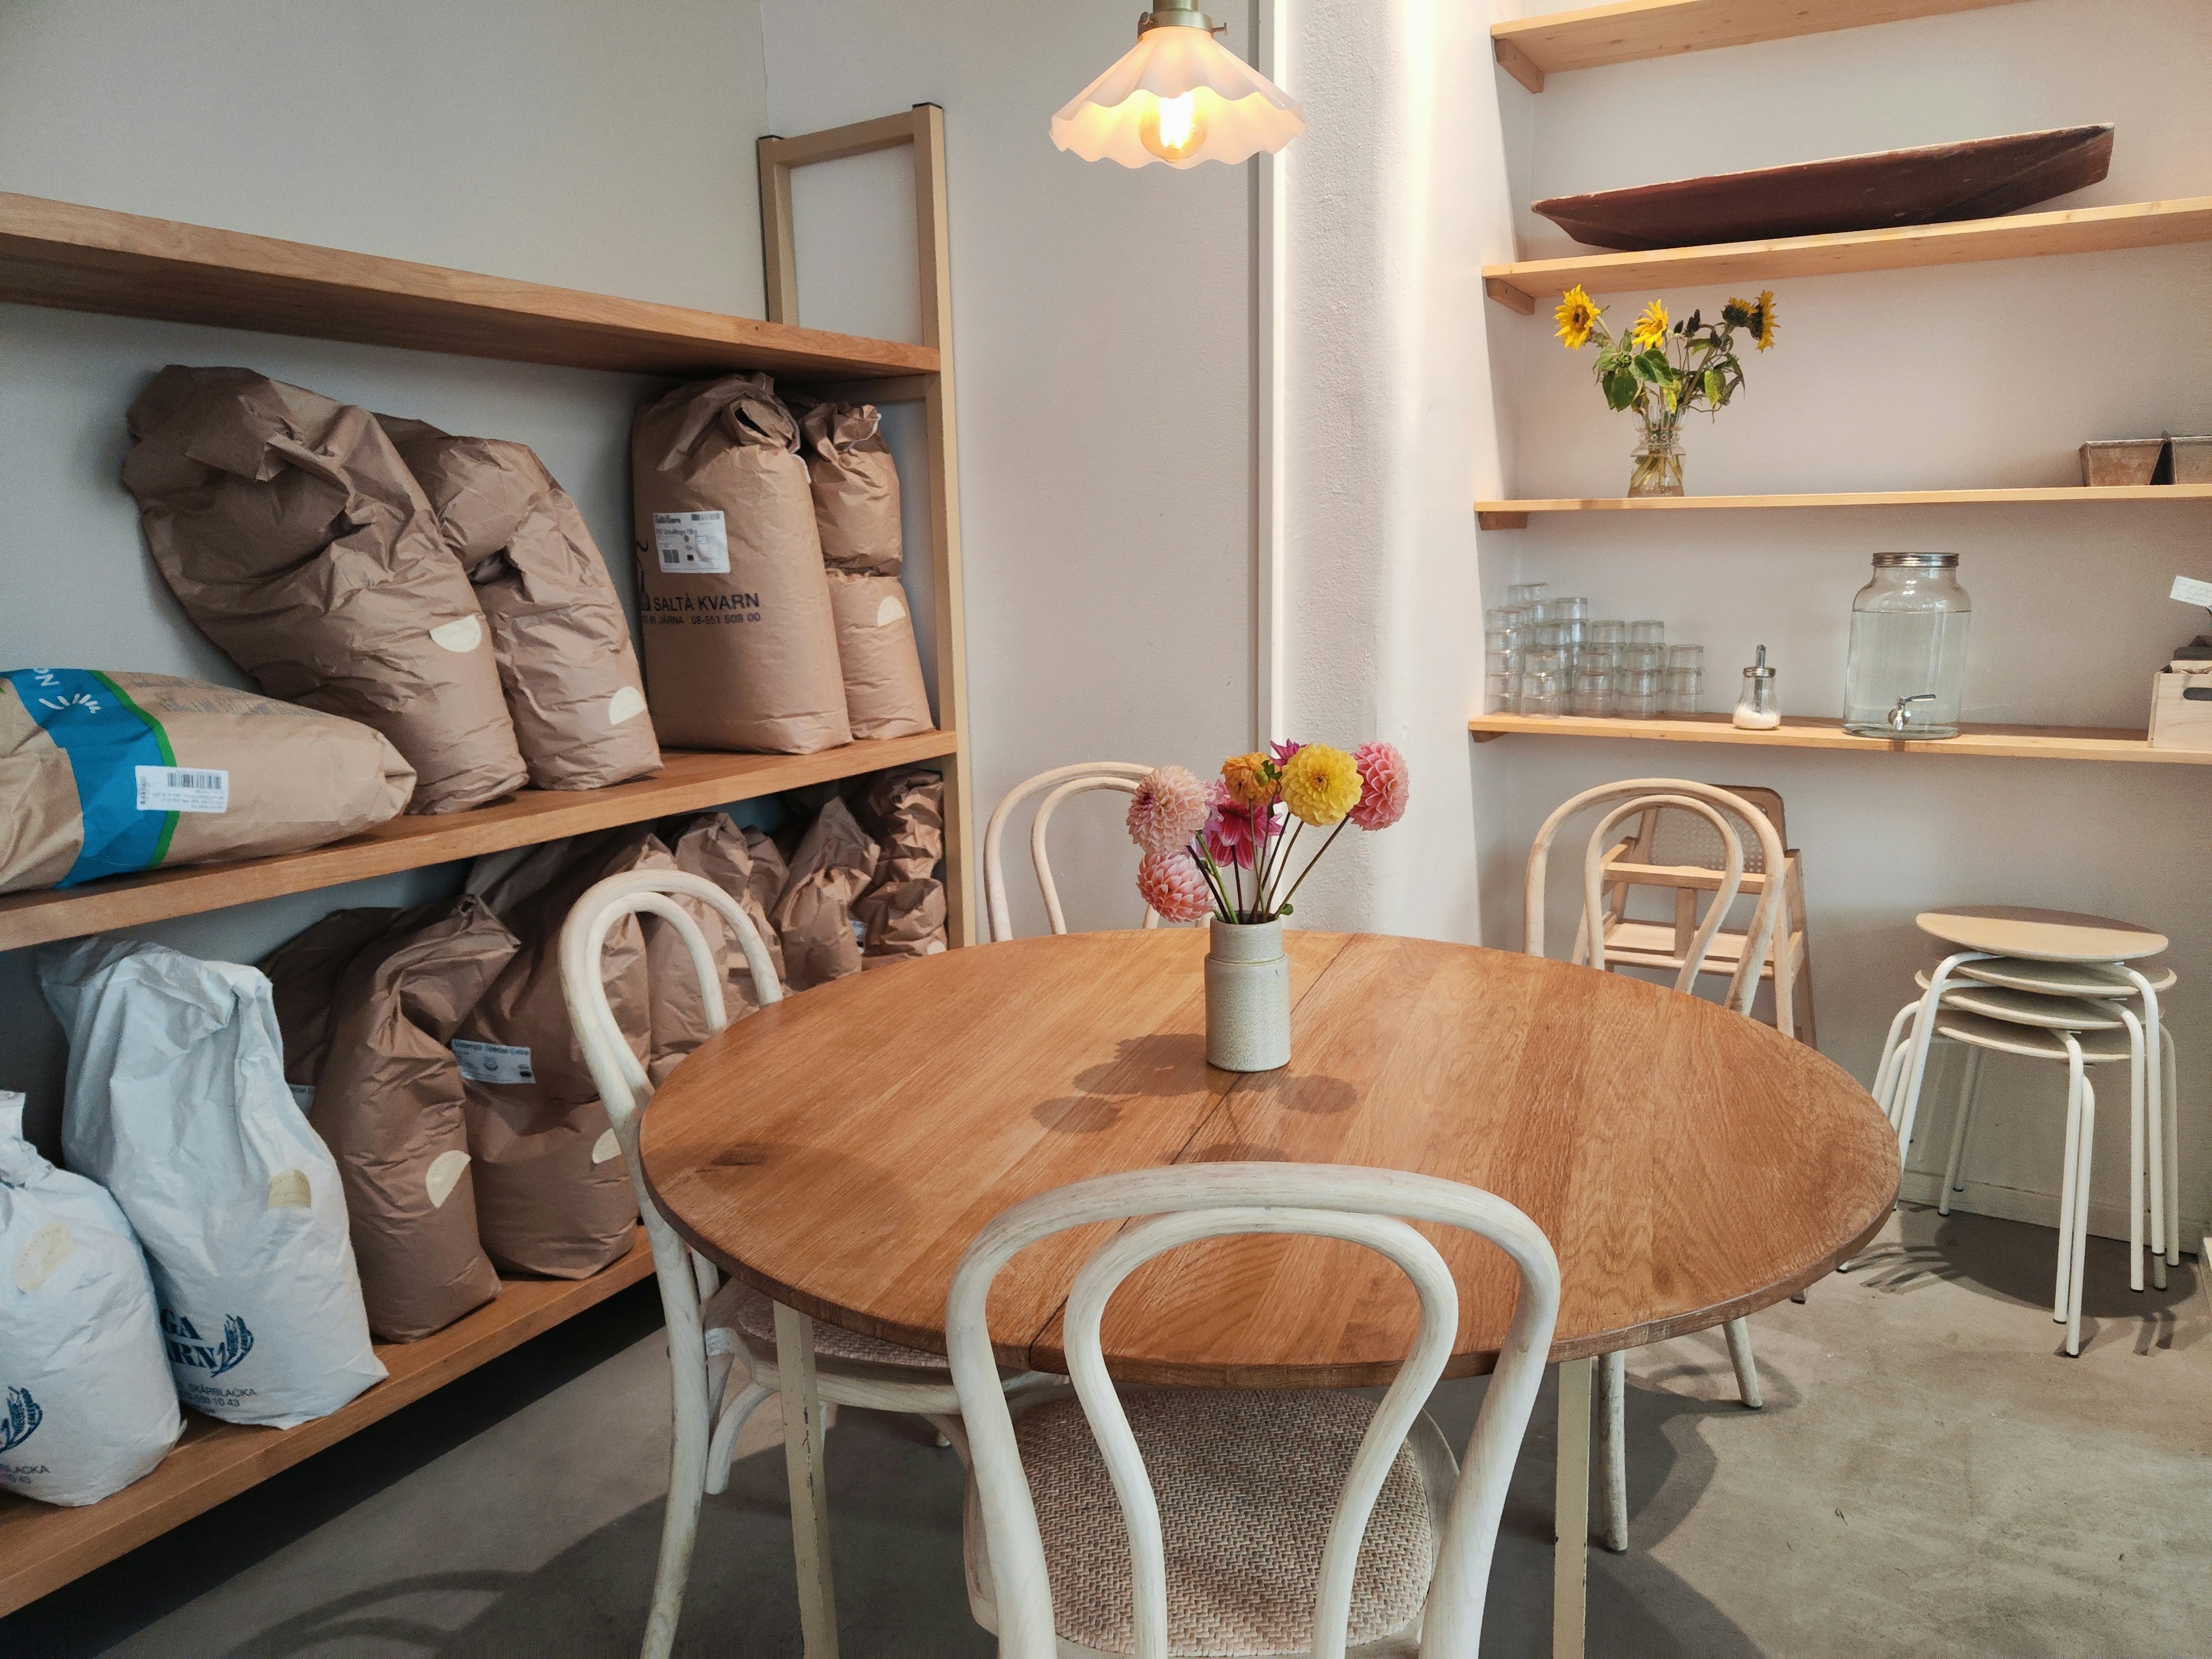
(1248, 1482)
(738, 1306)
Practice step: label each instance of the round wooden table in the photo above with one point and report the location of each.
(840, 1150)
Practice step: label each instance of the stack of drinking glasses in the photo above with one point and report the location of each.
(1545, 656)
(1682, 690)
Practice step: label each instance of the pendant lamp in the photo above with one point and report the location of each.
(1177, 96)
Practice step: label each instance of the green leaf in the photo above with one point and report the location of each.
(1621, 391)
(1716, 391)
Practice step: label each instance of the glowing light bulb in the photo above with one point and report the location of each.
(1172, 128)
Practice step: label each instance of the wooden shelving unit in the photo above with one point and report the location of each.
(1533, 47)
(81, 259)
(690, 781)
(2016, 236)
(2014, 741)
(1514, 515)
(43, 1547)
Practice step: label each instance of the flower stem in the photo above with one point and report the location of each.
(1315, 860)
(1212, 878)
(1283, 863)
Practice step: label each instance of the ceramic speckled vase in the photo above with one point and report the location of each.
(1248, 998)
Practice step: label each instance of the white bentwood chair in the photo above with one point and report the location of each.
(1120, 777)
(713, 1326)
(1264, 1493)
(1638, 798)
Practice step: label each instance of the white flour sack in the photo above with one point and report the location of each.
(176, 1104)
(86, 1403)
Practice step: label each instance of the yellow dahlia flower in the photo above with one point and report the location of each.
(1321, 785)
(1576, 316)
(1245, 777)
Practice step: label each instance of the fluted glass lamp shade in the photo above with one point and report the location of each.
(1177, 96)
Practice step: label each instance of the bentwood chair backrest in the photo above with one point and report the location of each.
(1120, 777)
(1367, 1206)
(1638, 797)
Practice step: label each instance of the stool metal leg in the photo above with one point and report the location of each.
(2075, 1081)
(2137, 1112)
(2169, 1072)
(1923, 1039)
(1969, 1088)
(2081, 1220)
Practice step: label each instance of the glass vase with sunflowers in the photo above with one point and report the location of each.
(1662, 369)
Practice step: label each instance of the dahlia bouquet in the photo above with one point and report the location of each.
(1225, 848)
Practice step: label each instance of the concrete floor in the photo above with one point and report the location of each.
(1931, 1475)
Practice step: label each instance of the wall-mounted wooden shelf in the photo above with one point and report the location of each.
(689, 781)
(1533, 47)
(43, 1547)
(1514, 515)
(84, 258)
(2015, 236)
(2015, 742)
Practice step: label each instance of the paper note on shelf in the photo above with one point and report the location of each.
(2190, 591)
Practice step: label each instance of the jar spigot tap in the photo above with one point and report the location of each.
(1900, 716)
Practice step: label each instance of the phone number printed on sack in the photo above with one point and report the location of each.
(691, 543)
(493, 1062)
(173, 789)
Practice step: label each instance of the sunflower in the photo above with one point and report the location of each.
(1762, 318)
(1576, 317)
(1651, 328)
(1736, 314)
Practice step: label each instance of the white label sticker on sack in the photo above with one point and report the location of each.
(493, 1062)
(462, 634)
(605, 1147)
(443, 1175)
(2190, 591)
(48, 1248)
(691, 543)
(626, 704)
(176, 789)
(289, 1190)
(889, 611)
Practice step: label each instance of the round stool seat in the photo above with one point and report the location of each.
(2062, 979)
(2008, 930)
(2027, 1008)
(2035, 1042)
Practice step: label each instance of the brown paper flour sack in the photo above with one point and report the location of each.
(856, 506)
(902, 912)
(557, 629)
(553, 1195)
(304, 973)
(109, 773)
(740, 647)
(713, 847)
(814, 915)
(295, 536)
(389, 1105)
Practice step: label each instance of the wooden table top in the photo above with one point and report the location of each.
(840, 1150)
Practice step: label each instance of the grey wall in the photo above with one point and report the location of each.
(561, 140)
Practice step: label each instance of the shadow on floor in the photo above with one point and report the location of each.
(2017, 1261)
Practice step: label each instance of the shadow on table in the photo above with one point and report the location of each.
(2017, 1261)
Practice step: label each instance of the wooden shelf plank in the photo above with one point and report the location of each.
(84, 258)
(1514, 514)
(43, 1547)
(1628, 30)
(2014, 236)
(2017, 742)
(689, 781)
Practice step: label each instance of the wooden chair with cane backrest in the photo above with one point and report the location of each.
(1120, 777)
(1308, 1522)
(713, 1326)
(1677, 852)
(1719, 812)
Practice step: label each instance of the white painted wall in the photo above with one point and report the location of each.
(561, 140)
(1987, 374)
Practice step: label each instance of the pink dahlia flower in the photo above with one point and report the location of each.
(1175, 886)
(1238, 834)
(1383, 786)
(1168, 809)
(1282, 751)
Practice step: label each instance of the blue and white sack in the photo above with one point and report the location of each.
(86, 1403)
(177, 1104)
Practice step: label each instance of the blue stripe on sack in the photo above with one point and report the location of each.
(106, 740)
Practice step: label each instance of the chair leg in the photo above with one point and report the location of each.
(1612, 1447)
(2081, 1220)
(1969, 1087)
(2075, 1081)
(728, 1427)
(680, 1529)
(1571, 1512)
(1807, 1032)
(1747, 1373)
(803, 1465)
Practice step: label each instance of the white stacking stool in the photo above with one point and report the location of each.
(2056, 986)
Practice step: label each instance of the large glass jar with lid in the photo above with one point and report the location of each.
(1908, 659)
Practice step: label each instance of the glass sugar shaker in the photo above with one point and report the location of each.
(1907, 672)
(1757, 707)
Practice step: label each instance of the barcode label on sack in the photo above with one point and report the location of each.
(493, 1062)
(691, 543)
(174, 789)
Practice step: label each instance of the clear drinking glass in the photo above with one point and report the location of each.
(1647, 633)
(1498, 693)
(1527, 592)
(1636, 694)
(1907, 671)
(1500, 662)
(1608, 635)
(1569, 610)
(1498, 639)
(1593, 693)
(1543, 688)
(1681, 691)
(1685, 656)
